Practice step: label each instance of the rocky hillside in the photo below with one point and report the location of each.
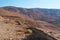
(48, 15)
(16, 25)
(21, 29)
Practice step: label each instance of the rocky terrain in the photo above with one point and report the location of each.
(49, 15)
(28, 24)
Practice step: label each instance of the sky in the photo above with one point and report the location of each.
(31, 3)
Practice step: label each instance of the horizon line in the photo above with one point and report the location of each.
(30, 7)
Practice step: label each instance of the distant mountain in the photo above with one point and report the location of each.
(48, 15)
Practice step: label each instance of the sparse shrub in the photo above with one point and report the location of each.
(29, 31)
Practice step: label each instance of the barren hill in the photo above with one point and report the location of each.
(49, 15)
(16, 25)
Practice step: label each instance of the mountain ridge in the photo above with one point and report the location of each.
(22, 17)
(48, 15)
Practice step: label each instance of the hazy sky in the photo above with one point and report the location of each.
(31, 3)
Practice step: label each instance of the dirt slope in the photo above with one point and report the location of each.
(15, 26)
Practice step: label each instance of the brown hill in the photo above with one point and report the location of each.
(49, 15)
(15, 25)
